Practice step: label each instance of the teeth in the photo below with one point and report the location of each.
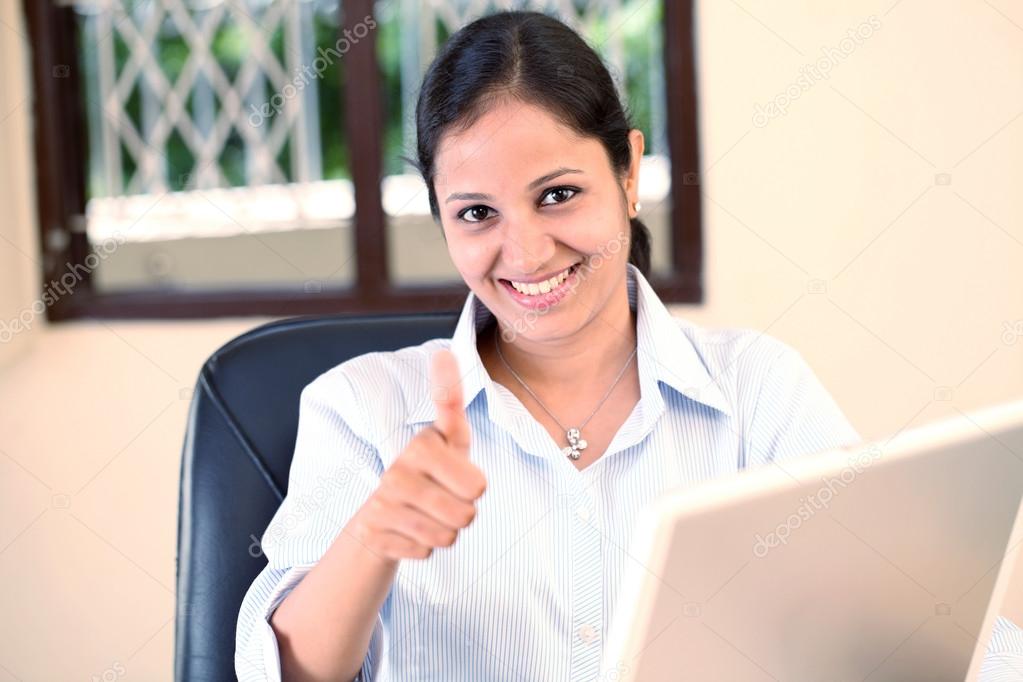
(544, 287)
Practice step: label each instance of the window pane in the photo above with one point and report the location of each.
(626, 33)
(217, 154)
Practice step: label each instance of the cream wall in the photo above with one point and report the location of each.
(892, 186)
(18, 243)
(875, 226)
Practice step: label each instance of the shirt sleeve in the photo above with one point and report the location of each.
(333, 471)
(795, 415)
(1003, 661)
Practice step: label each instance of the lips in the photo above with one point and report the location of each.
(547, 299)
(541, 285)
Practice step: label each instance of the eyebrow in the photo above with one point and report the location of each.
(477, 196)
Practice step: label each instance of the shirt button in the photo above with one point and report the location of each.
(587, 633)
(583, 513)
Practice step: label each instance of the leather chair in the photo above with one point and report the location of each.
(237, 457)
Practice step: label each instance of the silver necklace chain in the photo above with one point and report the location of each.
(576, 442)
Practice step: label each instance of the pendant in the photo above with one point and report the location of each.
(576, 444)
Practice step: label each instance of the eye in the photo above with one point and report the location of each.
(475, 214)
(558, 195)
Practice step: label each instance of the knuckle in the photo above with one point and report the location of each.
(407, 484)
(395, 473)
(429, 437)
(424, 455)
(412, 452)
(419, 526)
(392, 487)
(441, 505)
(375, 506)
(434, 498)
(451, 512)
(476, 482)
(457, 513)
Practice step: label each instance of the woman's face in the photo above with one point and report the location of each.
(523, 199)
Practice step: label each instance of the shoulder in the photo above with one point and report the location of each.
(741, 357)
(374, 392)
(769, 383)
(782, 407)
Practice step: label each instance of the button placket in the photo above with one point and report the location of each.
(587, 587)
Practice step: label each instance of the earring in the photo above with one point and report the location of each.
(637, 206)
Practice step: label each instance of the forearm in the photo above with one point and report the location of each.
(324, 625)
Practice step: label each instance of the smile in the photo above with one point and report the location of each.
(535, 288)
(544, 293)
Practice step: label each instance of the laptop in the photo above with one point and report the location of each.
(880, 561)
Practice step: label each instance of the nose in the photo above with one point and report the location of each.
(527, 245)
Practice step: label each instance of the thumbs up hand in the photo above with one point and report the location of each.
(446, 390)
(428, 494)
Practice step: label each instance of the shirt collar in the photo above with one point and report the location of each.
(665, 354)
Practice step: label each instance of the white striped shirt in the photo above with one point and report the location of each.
(528, 590)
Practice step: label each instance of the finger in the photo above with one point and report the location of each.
(457, 474)
(393, 545)
(416, 490)
(446, 391)
(422, 528)
(431, 455)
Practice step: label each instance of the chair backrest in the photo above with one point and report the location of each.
(237, 455)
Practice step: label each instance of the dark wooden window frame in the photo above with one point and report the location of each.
(60, 172)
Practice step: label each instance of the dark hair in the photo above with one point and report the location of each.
(534, 58)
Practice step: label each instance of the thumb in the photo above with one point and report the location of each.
(446, 392)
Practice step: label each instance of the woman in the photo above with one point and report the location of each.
(461, 510)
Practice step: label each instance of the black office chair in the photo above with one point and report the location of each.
(236, 460)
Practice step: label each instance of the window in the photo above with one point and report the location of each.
(200, 158)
